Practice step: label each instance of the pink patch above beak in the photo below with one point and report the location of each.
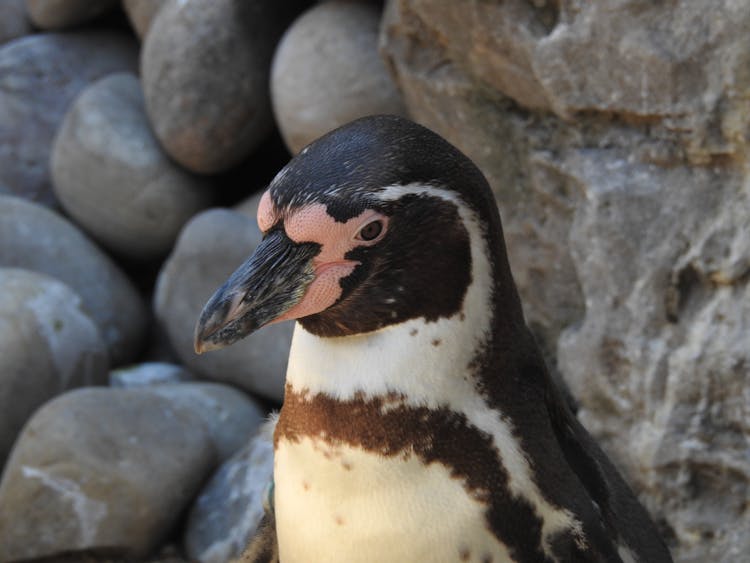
(266, 212)
(312, 223)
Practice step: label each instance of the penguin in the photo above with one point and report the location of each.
(419, 421)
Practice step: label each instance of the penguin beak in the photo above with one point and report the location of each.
(269, 283)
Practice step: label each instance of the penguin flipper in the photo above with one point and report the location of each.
(264, 547)
(623, 516)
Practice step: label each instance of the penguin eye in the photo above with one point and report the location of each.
(371, 231)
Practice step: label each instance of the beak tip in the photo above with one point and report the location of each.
(203, 341)
(199, 341)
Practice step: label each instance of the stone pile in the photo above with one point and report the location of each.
(120, 124)
(615, 140)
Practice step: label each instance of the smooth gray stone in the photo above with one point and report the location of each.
(40, 75)
(101, 469)
(210, 247)
(13, 20)
(148, 373)
(327, 71)
(205, 69)
(113, 178)
(35, 238)
(226, 515)
(141, 13)
(48, 344)
(61, 14)
(230, 416)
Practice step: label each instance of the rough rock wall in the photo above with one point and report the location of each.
(614, 135)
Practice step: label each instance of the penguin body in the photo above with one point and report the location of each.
(419, 421)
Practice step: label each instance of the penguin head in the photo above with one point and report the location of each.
(367, 227)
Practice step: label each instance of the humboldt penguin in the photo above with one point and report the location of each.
(419, 422)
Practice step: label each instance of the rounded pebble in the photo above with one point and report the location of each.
(48, 344)
(208, 250)
(226, 515)
(59, 14)
(205, 69)
(13, 20)
(101, 469)
(35, 238)
(327, 72)
(230, 416)
(147, 374)
(141, 13)
(48, 70)
(113, 178)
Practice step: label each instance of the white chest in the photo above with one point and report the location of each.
(349, 505)
(408, 511)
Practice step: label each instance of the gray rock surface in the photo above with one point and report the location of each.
(48, 344)
(35, 238)
(208, 250)
(39, 76)
(327, 72)
(660, 361)
(249, 206)
(610, 136)
(107, 469)
(226, 514)
(205, 70)
(112, 177)
(230, 416)
(141, 13)
(147, 374)
(59, 14)
(13, 20)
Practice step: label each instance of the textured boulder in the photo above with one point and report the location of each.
(562, 57)
(613, 146)
(113, 178)
(48, 344)
(226, 514)
(327, 72)
(101, 469)
(230, 416)
(35, 238)
(660, 360)
(59, 14)
(141, 13)
(208, 250)
(205, 70)
(13, 20)
(39, 76)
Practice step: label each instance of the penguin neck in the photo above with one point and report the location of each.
(425, 362)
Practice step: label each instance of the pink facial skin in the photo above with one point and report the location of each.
(266, 212)
(313, 224)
